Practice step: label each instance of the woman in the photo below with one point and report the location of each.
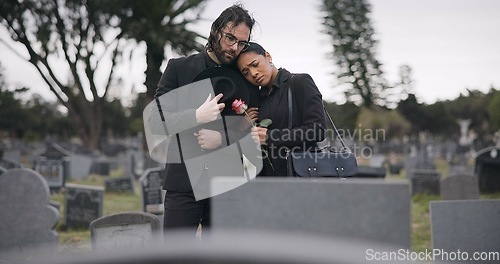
(308, 118)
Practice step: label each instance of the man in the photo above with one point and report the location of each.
(229, 35)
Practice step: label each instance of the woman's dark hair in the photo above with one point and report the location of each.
(235, 14)
(257, 48)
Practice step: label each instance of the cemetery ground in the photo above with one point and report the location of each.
(78, 240)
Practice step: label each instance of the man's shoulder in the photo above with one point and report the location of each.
(186, 59)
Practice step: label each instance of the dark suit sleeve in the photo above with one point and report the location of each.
(167, 115)
(308, 124)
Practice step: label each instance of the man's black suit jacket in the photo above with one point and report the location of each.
(180, 72)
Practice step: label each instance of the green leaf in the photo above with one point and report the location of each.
(266, 122)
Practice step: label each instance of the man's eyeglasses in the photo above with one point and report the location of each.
(230, 40)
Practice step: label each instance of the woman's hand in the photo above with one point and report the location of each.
(259, 135)
(253, 114)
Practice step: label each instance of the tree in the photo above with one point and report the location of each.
(13, 118)
(347, 22)
(158, 24)
(69, 43)
(494, 111)
(413, 111)
(400, 90)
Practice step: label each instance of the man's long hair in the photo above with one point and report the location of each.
(236, 14)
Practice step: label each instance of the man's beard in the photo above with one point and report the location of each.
(221, 55)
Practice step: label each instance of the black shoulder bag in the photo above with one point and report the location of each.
(320, 162)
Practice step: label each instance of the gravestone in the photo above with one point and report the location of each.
(467, 225)
(239, 247)
(487, 168)
(13, 154)
(122, 184)
(152, 194)
(459, 187)
(125, 231)
(7, 162)
(53, 165)
(395, 168)
(425, 181)
(377, 160)
(80, 166)
(27, 219)
(366, 209)
(101, 167)
(454, 169)
(83, 204)
(370, 172)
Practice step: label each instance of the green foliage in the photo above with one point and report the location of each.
(390, 122)
(347, 22)
(439, 120)
(91, 37)
(344, 116)
(157, 23)
(68, 31)
(494, 111)
(474, 107)
(414, 112)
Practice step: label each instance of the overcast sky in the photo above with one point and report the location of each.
(450, 44)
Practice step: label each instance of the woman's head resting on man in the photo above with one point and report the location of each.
(255, 64)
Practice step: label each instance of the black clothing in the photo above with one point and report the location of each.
(308, 119)
(179, 72)
(181, 208)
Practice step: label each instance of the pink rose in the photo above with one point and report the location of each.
(239, 106)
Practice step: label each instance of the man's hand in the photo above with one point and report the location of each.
(209, 110)
(259, 135)
(209, 139)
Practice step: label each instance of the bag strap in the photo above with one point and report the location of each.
(335, 128)
(290, 113)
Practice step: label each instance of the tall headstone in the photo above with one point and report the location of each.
(80, 166)
(152, 194)
(459, 187)
(468, 226)
(27, 219)
(125, 231)
(366, 209)
(83, 204)
(53, 165)
(487, 168)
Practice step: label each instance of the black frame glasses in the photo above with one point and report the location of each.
(230, 40)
